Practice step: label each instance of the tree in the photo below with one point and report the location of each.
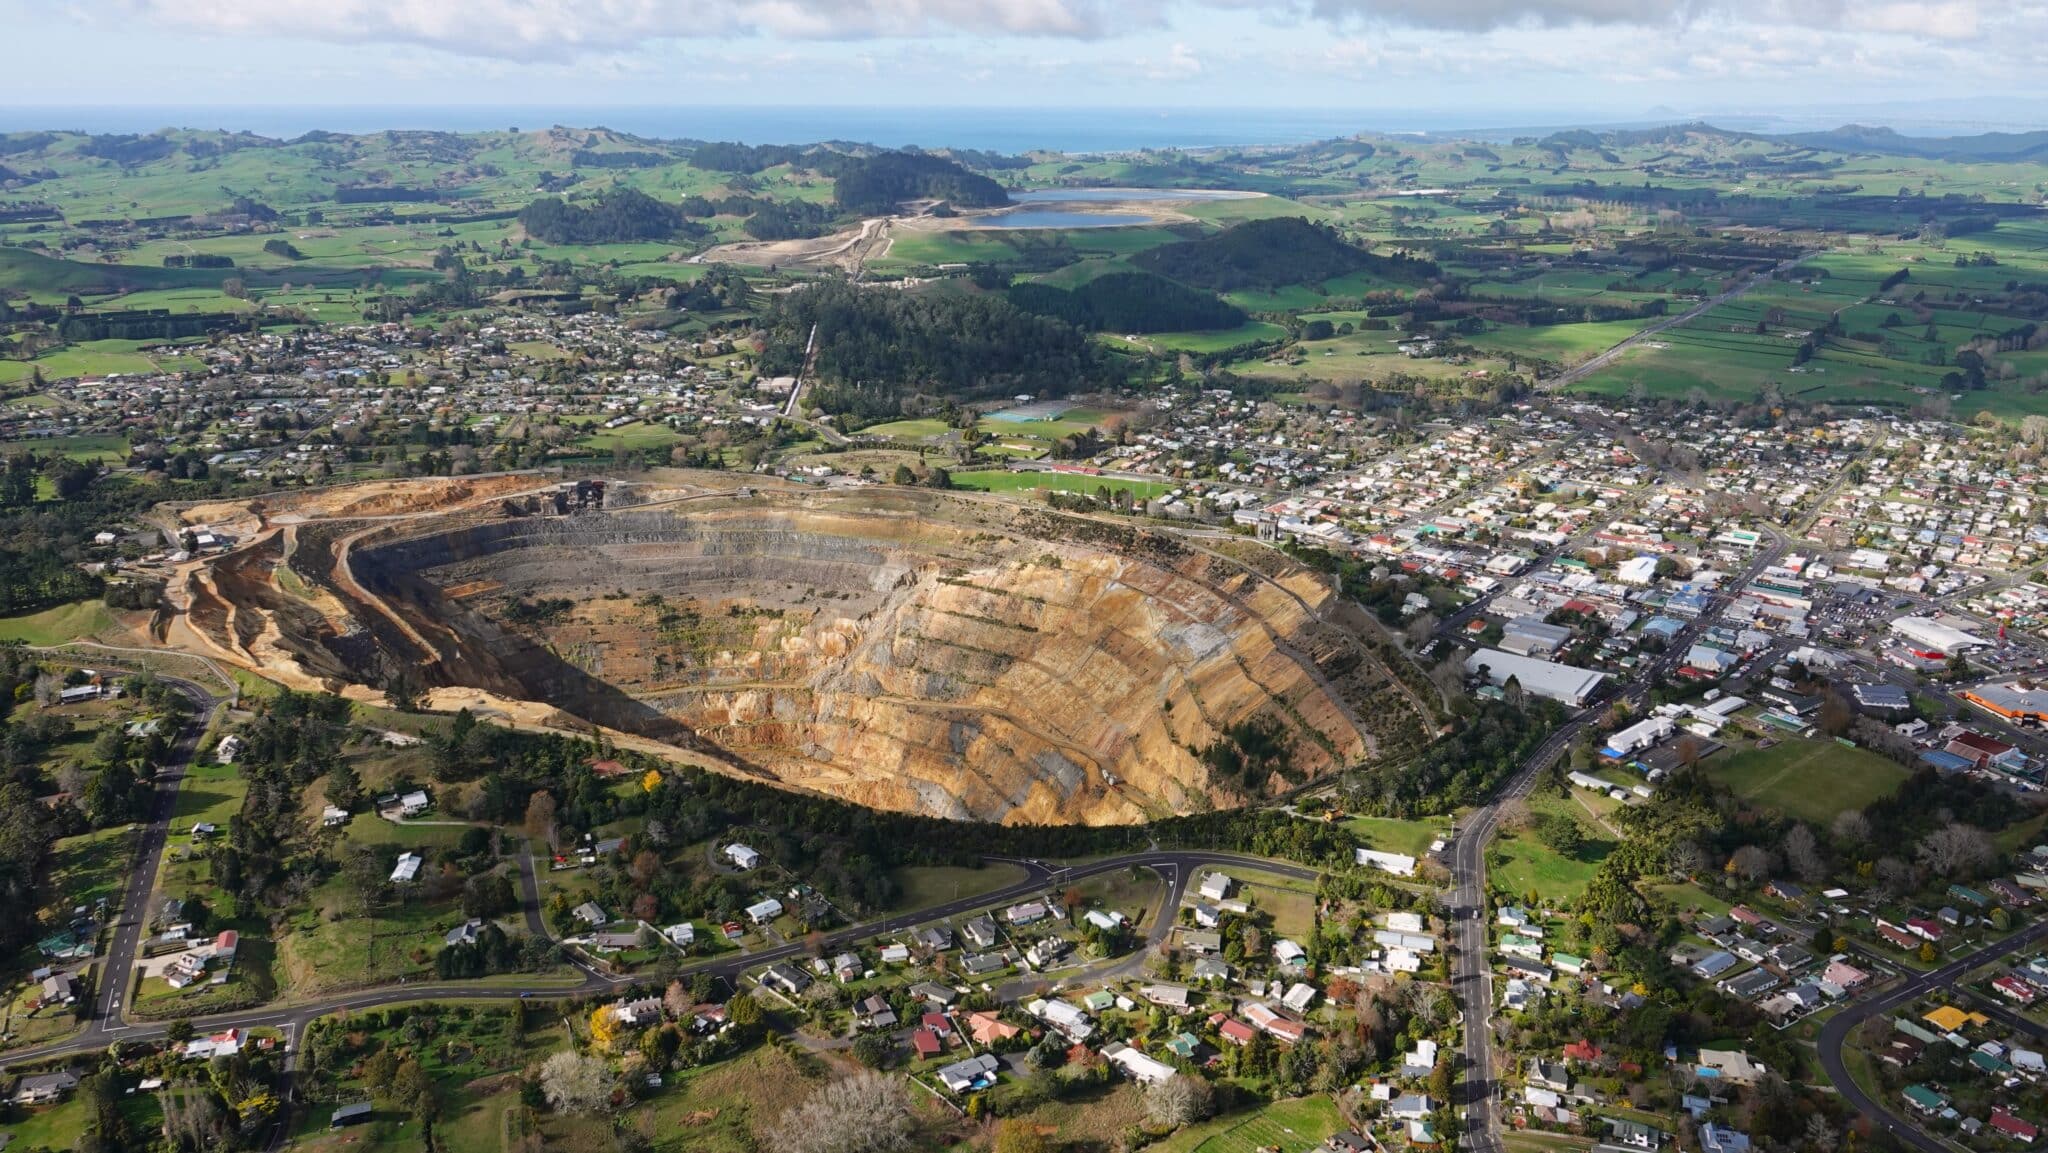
(1927, 953)
(1802, 852)
(1017, 1135)
(868, 1112)
(677, 1002)
(1851, 826)
(1957, 851)
(871, 1049)
(1178, 1100)
(574, 1083)
(604, 1028)
(413, 1091)
(1752, 863)
(540, 817)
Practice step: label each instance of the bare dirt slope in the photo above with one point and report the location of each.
(901, 649)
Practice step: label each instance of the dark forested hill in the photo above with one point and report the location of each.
(1129, 302)
(879, 347)
(1267, 254)
(617, 216)
(873, 184)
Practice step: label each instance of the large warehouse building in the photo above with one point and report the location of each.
(1932, 635)
(1572, 686)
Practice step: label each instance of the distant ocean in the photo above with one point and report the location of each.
(996, 129)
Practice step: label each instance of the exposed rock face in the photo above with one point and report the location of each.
(904, 650)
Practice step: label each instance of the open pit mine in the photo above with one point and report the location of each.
(945, 654)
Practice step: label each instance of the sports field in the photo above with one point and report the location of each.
(1811, 780)
(993, 481)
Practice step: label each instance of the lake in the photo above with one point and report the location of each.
(1123, 195)
(1052, 218)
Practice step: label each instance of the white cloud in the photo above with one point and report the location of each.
(1180, 64)
(529, 29)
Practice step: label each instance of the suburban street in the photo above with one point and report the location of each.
(1177, 865)
(1838, 1029)
(1472, 976)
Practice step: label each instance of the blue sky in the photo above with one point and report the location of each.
(1593, 58)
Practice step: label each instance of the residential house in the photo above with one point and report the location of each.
(873, 1012)
(1721, 1139)
(974, 1073)
(986, 1028)
(1411, 1107)
(764, 910)
(742, 857)
(2013, 1127)
(1731, 1065)
(44, 1088)
(980, 932)
(636, 1014)
(1139, 1067)
(1027, 913)
(1175, 997)
(786, 978)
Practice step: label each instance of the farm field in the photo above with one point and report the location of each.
(1810, 780)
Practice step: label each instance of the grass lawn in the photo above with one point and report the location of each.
(927, 885)
(1532, 1141)
(1692, 896)
(337, 944)
(1291, 903)
(721, 1108)
(636, 436)
(921, 429)
(1389, 835)
(995, 481)
(1133, 892)
(58, 625)
(87, 867)
(473, 1059)
(1526, 864)
(210, 794)
(110, 449)
(62, 1126)
(1290, 1126)
(1809, 780)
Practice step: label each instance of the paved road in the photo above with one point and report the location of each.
(1472, 976)
(116, 969)
(1839, 1027)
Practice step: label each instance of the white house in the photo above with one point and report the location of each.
(741, 856)
(764, 910)
(1141, 1068)
(1398, 864)
(407, 869)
